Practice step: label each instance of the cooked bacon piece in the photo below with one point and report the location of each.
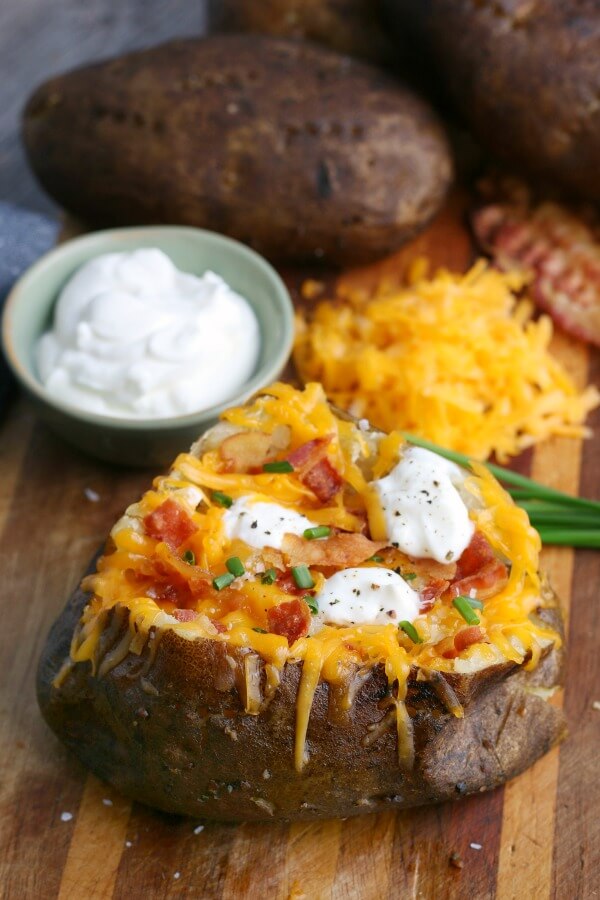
(185, 615)
(472, 635)
(309, 454)
(290, 619)
(431, 592)
(486, 582)
(558, 249)
(323, 480)
(477, 554)
(340, 550)
(219, 626)
(169, 523)
(314, 469)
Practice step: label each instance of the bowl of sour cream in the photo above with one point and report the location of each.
(132, 341)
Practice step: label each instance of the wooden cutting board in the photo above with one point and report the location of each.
(64, 834)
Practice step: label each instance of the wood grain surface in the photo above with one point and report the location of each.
(64, 834)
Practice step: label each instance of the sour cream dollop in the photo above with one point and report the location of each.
(424, 513)
(135, 337)
(371, 595)
(260, 524)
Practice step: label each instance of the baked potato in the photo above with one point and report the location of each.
(355, 27)
(270, 632)
(524, 75)
(289, 147)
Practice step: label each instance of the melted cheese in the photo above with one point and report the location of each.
(129, 576)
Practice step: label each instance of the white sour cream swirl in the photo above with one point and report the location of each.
(135, 337)
(424, 513)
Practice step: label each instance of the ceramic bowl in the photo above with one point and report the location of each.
(144, 442)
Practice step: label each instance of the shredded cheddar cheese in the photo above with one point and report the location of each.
(456, 359)
(149, 580)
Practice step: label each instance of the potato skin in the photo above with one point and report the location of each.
(349, 26)
(291, 148)
(524, 75)
(168, 729)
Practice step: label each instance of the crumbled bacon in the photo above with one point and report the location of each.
(477, 554)
(309, 454)
(467, 636)
(315, 470)
(323, 480)
(479, 572)
(557, 248)
(169, 523)
(219, 626)
(431, 592)
(339, 550)
(290, 619)
(184, 615)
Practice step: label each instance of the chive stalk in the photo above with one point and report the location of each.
(223, 581)
(269, 577)
(222, 499)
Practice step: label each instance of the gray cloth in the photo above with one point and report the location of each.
(24, 237)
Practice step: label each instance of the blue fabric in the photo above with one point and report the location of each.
(24, 237)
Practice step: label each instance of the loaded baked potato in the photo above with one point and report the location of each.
(306, 618)
(289, 147)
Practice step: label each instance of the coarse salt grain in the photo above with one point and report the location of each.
(92, 495)
(66, 816)
(198, 829)
(107, 802)
(128, 844)
(177, 875)
(475, 846)
(596, 705)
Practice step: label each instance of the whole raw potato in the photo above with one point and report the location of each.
(291, 148)
(349, 26)
(525, 74)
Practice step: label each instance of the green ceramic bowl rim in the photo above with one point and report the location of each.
(264, 376)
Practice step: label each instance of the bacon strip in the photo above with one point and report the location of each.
(558, 249)
(340, 550)
(290, 619)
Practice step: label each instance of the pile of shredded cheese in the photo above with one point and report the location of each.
(456, 359)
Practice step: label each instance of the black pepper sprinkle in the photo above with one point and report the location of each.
(397, 513)
(254, 525)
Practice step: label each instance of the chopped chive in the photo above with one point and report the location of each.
(409, 629)
(222, 499)
(409, 576)
(223, 581)
(189, 557)
(375, 558)
(235, 566)
(319, 531)
(260, 630)
(302, 577)
(466, 610)
(281, 465)
(472, 601)
(269, 577)
(312, 604)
